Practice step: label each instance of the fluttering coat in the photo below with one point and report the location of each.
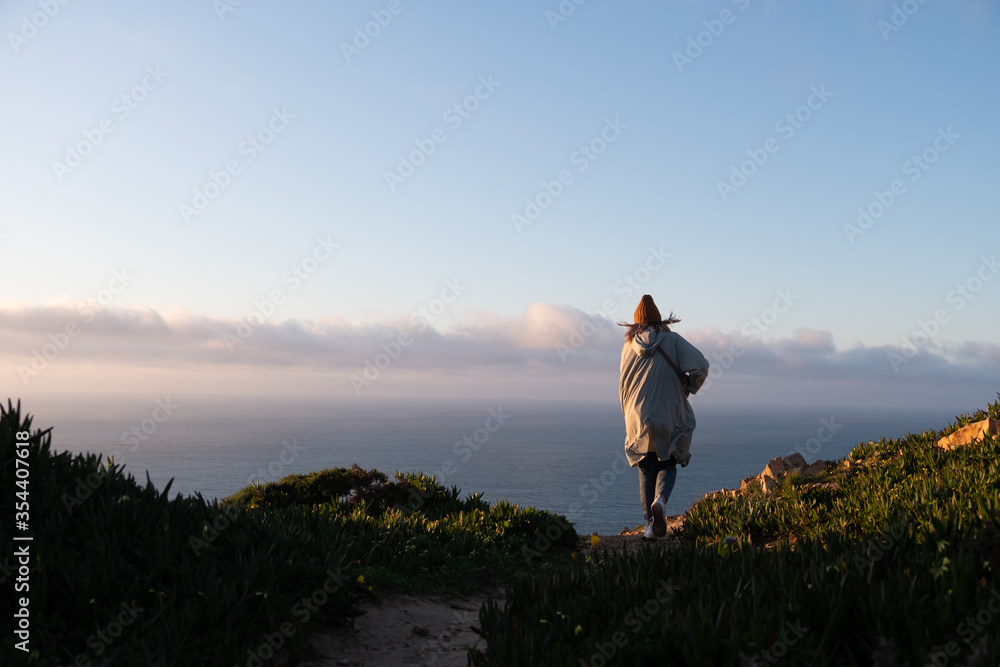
(658, 416)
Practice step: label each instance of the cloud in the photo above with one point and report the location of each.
(545, 341)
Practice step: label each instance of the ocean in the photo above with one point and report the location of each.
(563, 457)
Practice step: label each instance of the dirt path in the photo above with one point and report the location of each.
(407, 631)
(436, 630)
(631, 539)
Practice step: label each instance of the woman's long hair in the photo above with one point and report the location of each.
(633, 329)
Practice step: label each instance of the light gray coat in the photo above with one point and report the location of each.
(658, 417)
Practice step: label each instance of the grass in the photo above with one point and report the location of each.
(208, 583)
(895, 567)
(895, 564)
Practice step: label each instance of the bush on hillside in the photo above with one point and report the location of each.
(348, 488)
(897, 566)
(121, 574)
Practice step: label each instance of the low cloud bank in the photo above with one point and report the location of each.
(544, 341)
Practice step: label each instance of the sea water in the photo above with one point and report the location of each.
(563, 457)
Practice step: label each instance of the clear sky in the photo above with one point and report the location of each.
(813, 182)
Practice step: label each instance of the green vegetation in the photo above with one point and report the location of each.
(123, 575)
(892, 562)
(896, 566)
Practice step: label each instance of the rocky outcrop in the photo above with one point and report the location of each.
(779, 467)
(969, 434)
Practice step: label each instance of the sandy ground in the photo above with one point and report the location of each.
(437, 629)
(407, 631)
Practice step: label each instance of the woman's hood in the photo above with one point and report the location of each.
(646, 341)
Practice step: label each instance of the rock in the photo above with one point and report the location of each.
(774, 468)
(969, 434)
(814, 468)
(793, 461)
(777, 468)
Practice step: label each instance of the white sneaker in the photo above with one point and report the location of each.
(659, 511)
(649, 531)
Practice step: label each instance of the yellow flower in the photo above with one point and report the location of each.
(358, 561)
(579, 629)
(594, 540)
(361, 579)
(369, 589)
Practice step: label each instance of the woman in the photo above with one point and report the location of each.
(658, 371)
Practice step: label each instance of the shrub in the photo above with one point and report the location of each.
(887, 569)
(222, 584)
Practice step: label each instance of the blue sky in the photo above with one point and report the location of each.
(874, 84)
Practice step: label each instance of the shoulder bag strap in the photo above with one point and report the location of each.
(680, 376)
